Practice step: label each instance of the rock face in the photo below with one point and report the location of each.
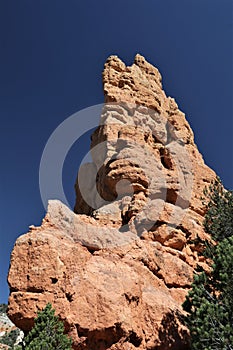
(118, 269)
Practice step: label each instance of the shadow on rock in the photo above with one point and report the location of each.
(172, 333)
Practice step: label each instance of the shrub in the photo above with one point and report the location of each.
(209, 303)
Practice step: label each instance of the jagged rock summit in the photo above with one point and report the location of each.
(118, 269)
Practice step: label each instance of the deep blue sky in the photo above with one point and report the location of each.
(51, 59)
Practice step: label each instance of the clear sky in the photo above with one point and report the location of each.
(51, 59)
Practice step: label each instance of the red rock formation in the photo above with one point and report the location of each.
(118, 270)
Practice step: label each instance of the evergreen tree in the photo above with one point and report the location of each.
(219, 216)
(47, 333)
(209, 303)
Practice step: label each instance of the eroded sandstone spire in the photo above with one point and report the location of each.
(118, 270)
(144, 156)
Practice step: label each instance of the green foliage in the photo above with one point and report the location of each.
(219, 216)
(3, 308)
(48, 332)
(10, 338)
(209, 303)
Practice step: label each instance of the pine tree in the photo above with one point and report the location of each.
(209, 303)
(47, 333)
(219, 216)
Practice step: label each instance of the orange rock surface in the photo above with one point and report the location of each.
(118, 269)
